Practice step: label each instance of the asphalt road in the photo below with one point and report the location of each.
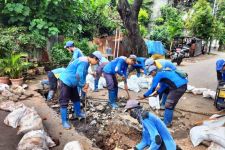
(201, 70)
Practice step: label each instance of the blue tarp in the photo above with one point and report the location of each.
(155, 47)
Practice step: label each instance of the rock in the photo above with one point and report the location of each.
(100, 108)
(18, 90)
(24, 86)
(22, 97)
(14, 98)
(3, 98)
(93, 122)
(7, 93)
(29, 93)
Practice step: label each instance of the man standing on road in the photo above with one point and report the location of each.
(220, 70)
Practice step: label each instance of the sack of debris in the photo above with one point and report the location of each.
(190, 88)
(3, 87)
(35, 140)
(30, 121)
(198, 91)
(74, 145)
(209, 94)
(10, 105)
(154, 102)
(90, 80)
(13, 118)
(214, 134)
(144, 82)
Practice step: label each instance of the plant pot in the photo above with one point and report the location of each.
(4, 80)
(17, 82)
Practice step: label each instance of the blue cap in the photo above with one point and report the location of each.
(151, 68)
(98, 54)
(69, 44)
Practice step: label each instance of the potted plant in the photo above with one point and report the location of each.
(16, 67)
(4, 78)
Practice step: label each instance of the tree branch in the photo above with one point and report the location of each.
(136, 7)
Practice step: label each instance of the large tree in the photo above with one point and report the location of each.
(133, 41)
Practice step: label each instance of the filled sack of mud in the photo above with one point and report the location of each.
(30, 121)
(209, 94)
(35, 140)
(13, 118)
(198, 91)
(214, 134)
(74, 145)
(154, 102)
(10, 105)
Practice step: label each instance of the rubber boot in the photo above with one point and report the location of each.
(112, 99)
(64, 118)
(116, 90)
(77, 111)
(50, 95)
(168, 117)
(96, 85)
(164, 98)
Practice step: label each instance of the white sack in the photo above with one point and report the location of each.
(34, 140)
(198, 91)
(201, 133)
(10, 105)
(215, 123)
(209, 94)
(74, 145)
(190, 88)
(90, 80)
(13, 118)
(3, 87)
(144, 82)
(30, 121)
(154, 102)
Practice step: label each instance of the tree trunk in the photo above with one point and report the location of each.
(221, 46)
(129, 16)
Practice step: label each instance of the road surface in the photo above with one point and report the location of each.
(201, 70)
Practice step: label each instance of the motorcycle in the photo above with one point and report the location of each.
(178, 54)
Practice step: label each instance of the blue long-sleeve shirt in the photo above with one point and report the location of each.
(168, 77)
(219, 68)
(152, 127)
(75, 73)
(58, 71)
(140, 64)
(77, 53)
(117, 66)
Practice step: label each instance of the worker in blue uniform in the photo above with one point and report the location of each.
(71, 78)
(177, 86)
(155, 135)
(140, 65)
(220, 70)
(161, 64)
(72, 49)
(117, 66)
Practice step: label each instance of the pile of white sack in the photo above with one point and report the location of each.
(29, 124)
(211, 130)
(207, 93)
(90, 80)
(135, 83)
